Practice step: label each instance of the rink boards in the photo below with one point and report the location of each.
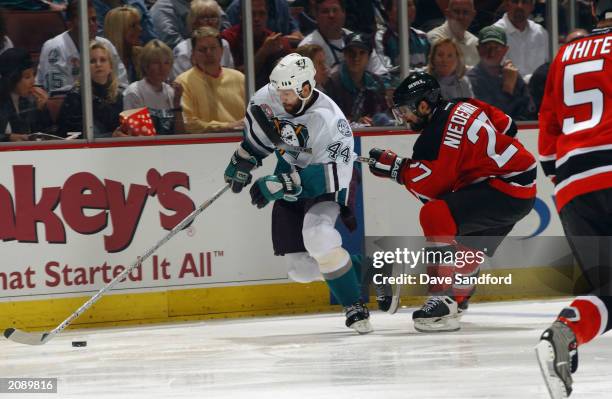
(73, 216)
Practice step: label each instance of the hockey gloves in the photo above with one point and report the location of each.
(238, 172)
(386, 163)
(273, 187)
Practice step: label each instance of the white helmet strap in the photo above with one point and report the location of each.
(304, 99)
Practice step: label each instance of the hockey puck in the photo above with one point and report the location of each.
(79, 344)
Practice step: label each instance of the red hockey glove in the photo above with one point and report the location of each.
(388, 164)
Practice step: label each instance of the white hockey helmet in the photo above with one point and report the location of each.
(292, 72)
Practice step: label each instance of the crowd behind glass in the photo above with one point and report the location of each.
(184, 60)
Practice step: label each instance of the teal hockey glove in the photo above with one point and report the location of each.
(274, 187)
(238, 172)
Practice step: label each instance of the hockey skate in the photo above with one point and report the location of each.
(357, 316)
(462, 307)
(557, 356)
(438, 314)
(384, 296)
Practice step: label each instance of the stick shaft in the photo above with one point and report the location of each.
(138, 261)
(365, 159)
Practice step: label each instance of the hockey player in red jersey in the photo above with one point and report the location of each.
(475, 181)
(575, 146)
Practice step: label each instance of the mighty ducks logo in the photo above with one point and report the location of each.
(292, 134)
(301, 63)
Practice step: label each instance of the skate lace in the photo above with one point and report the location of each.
(351, 310)
(431, 303)
(380, 290)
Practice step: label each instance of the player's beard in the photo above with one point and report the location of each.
(422, 121)
(293, 108)
(419, 125)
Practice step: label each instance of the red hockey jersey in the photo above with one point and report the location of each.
(575, 141)
(463, 145)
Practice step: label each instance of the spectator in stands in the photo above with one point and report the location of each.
(107, 99)
(170, 20)
(431, 14)
(499, 84)
(362, 15)
(146, 22)
(23, 107)
(387, 39)
(122, 28)
(447, 66)
(316, 54)
(162, 100)
(359, 93)
(269, 46)
(59, 63)
(527, 40)
(35, 5)
(487, 12)
(459, 16)
(538, 78)
(5, 41)
(279, 18)
(306, 19)
(201, 13)
(213, 96)
(331, 33)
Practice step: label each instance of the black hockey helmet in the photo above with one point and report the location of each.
(417, 87)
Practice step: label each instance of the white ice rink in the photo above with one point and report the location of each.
(311, 356)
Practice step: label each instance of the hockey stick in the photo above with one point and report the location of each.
(271, 133)
(398, 269)
(22, 337)
(365, 160)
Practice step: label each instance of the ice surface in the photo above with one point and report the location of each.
(311, 356)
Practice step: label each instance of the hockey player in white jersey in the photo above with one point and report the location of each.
(309, 190)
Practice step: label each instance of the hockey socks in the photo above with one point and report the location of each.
(587, 316)
(344, 284)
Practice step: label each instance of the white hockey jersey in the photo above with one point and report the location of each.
(59, 66)
(322, 127)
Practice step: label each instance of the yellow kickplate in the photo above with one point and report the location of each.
(155, 307)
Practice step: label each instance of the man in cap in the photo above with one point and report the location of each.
(496, 81)
(359, 93)
(527, 40)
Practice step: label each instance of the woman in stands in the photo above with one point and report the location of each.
(23, 107)
(201, 13)
(162, 99)
(122, 27)
(446, 64)
(107, 99)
